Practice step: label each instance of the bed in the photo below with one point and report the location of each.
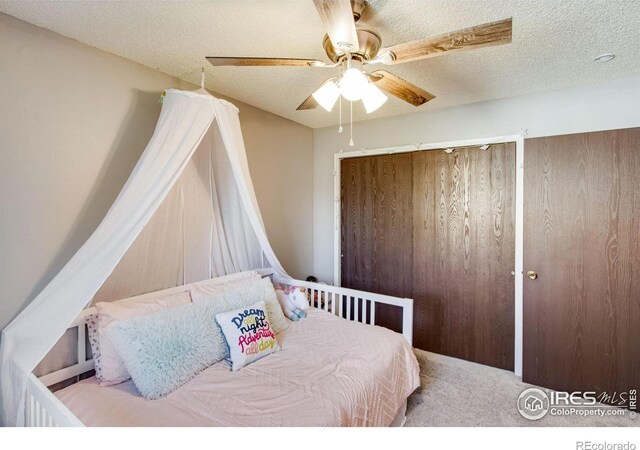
(330, 372)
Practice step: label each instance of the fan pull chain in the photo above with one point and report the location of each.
(350, 104)
(351, 144)
(202, 79)
(340, 107)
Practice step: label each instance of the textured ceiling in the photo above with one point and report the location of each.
(554, 43)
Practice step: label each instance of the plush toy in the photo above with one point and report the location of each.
(298, 296)
(293, 301)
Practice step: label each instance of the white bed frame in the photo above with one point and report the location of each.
(43, 409)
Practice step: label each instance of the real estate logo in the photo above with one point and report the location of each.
(533, 403)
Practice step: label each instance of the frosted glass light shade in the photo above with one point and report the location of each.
(353, 84)
(373, 98)
(326, 95)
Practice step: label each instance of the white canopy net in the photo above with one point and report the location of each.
(188, 212)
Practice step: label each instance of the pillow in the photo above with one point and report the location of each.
(248, 334)
(164, 350)
(245, 293)
(225, 279)
(92, 332)
(206, 290)
(112, 370)
(92, 319)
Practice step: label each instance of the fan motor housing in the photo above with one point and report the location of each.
(369, 44)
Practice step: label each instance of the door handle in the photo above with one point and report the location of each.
(532, 275)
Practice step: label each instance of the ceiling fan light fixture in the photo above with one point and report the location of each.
(373, 98)
(353, 84)
(327, 95)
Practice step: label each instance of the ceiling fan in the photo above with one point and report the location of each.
(353, 49)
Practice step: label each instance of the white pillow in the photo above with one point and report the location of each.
(112, 370)
(248, 334)
(206, 290)
(249, 274)
(93, 325)
(245, 292)
(92, 331)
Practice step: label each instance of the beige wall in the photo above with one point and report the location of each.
(605, 106)
(73, 122)
(280, 156)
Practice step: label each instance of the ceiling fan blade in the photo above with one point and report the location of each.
(485, 35)
(311, 103)
(400, 88)
(337, 17)
(240, 61)
(308, 103)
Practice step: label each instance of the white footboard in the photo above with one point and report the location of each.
(351, 304)
(43, 409)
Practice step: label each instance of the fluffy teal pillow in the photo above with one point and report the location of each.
(164, 350)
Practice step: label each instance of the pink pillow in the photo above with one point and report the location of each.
(112, 370)
(206, 290)
(246, 275)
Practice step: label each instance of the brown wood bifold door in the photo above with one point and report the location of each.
(582, 226)
(464, 253)
(438, 228)
(377, 222)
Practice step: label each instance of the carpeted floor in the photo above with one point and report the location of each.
(454, 392)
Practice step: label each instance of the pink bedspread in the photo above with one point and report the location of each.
(330, 372)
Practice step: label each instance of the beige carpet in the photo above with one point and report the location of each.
(454, 392)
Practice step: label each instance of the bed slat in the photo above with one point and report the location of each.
(354, 309)
(372, 317)
(82, 343)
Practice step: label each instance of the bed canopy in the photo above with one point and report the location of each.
(188, 212)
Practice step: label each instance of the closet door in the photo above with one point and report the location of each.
(464, 253)
(377, 223)
(437, 228)
(582, 226)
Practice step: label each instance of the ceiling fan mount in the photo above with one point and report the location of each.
(357, 7)
(369, 43)
(356, 49)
